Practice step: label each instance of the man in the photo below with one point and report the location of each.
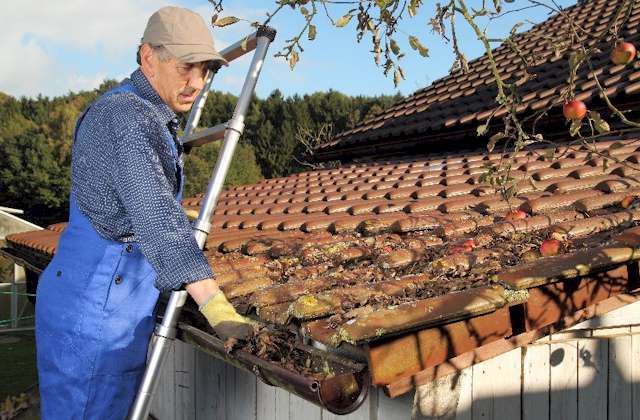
(128, 238)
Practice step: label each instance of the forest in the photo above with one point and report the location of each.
(279, 137)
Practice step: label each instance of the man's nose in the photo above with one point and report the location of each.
(196, 80)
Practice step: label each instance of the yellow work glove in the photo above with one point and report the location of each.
(224, 319)
(191, 214)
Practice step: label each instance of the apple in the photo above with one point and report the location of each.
(550, 247)
(574, 110)
(623, 53)
(512, 216)
(459, 249)
(462, 247)
(627, 201)
(469, 243)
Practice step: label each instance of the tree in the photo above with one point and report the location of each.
(273, 124)
(200, 162)
(35, 175)
(36, 133)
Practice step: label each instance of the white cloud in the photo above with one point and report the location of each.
(229, 82)
(45, 38)
(21, 76)
(85, 24)
(78, 82)
(38, 32)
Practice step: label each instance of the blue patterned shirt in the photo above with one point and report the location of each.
(124, 178)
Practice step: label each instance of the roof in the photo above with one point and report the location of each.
(412, 265)
(461, 102)
(362, 254)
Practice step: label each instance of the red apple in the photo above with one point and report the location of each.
(623, 53)
(459, 249)
(462, 247)
(387, 249)
(512, 216)
(627, 201)
(574, 110)
(550, 247)
(469, 243)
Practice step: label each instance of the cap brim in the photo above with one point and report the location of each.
(190, 53)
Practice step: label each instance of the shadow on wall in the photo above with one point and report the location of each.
(578, 374)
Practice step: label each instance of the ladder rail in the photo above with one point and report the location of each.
(197, 107)
(232, 52)
(242, 47)
(234, 129)
(202, 137)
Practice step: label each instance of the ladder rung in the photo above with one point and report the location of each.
(205, 136)
(234, 51)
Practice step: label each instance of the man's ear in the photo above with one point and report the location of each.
(147, 60)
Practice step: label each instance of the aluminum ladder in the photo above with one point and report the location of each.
(165, 331)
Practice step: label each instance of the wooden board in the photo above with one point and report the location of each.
(496, 387)
(164, 402)
(563, 401)
(185, 381)
(627, 315)
(241, 394)
(397, 408)
(635, 371)
(592, 378)
(303, 409)
(211, 390)
(535, 382)
(620, 382)
(272, 402)
(449, 397)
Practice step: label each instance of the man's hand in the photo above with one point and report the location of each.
(222, 316)
(224, 319)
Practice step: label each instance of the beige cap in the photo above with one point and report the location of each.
(183, 33)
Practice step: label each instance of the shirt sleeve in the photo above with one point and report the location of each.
(159, 223)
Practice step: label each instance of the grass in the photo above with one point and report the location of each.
(17, 350)
(17, 363)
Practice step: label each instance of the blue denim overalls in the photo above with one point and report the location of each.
(94, 317)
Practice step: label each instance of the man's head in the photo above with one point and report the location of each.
(176, 51)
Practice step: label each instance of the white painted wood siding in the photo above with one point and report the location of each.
(588, 372)
(591, 371)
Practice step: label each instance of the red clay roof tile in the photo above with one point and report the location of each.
(420, 232)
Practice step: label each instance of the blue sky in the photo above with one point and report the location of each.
(58, 46)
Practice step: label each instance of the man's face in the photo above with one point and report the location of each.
(178, 84)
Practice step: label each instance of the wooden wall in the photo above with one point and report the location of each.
(591, 371)
(196, 386)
